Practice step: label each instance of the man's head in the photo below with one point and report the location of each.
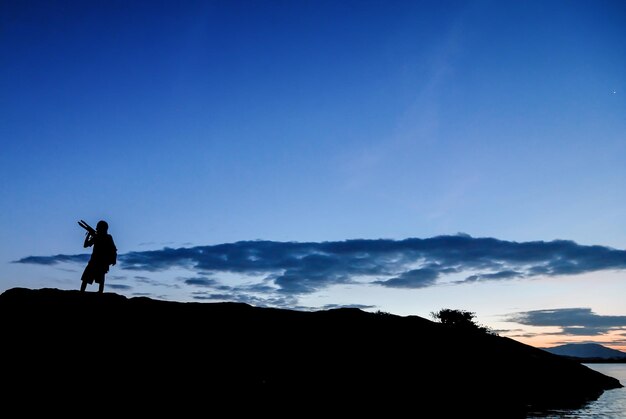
(102, 227)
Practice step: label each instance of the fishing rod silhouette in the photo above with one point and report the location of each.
(87, 227)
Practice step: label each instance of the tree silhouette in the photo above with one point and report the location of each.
(460, 319)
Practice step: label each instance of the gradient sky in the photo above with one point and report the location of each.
(401, 156)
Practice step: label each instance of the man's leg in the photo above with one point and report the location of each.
(100, 281)
(85, 278)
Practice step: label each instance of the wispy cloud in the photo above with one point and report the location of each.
(200, 281)
(293, 268)
(52, 260)
(119, 286)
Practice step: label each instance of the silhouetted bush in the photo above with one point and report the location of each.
(460, 319)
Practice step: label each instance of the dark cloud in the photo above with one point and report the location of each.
(152, 282)
(240, 297)
(415, 278)
(53, 260)
(200, 281)
(119, 287)
(572, 321)
(142, 294)
(506, 274)
(295, 268)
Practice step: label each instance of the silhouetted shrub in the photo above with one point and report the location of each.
(460, 319)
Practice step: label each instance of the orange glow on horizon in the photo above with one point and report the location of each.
(613, 340)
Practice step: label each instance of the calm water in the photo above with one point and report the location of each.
(610, 405)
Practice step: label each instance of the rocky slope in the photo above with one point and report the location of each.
(64, 349)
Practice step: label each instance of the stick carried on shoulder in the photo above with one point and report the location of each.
(87, 227)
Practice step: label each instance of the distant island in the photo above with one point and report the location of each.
(588, 353)
(148, 356)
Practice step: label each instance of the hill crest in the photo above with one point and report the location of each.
(345, 359)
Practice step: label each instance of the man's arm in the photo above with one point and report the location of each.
(88, 240)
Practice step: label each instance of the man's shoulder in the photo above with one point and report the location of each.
(106, 239)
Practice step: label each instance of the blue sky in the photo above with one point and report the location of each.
(391, 155)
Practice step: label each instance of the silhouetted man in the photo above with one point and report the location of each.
(104, 254)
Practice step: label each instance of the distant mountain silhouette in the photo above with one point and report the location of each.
(588, 352)
(87, 353)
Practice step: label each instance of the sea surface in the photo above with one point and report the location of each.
(610, 405)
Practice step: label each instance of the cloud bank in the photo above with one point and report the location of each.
(295, 268)
(572, 321)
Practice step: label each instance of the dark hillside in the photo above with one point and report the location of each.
(141, 355)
